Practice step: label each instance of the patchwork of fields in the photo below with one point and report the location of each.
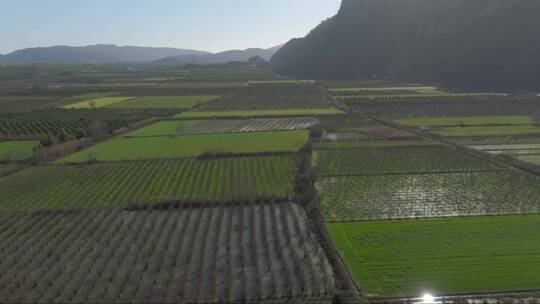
(195, 188)
(247, 252)
(403, 213)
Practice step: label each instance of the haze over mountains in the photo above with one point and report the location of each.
(480, 43)
(233, 55)
(127, 54)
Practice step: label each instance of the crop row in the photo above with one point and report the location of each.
(450, 256)
(393, 160)
(44, 127)
(257, 125)
(247, 252)
(147, 182)
(428, 195)
(448, 107)
(260, 104)
(75, 122)
(253, 125)
(27, 103)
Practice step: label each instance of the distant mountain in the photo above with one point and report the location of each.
(476, 43)
(223, 57)
(93, 54)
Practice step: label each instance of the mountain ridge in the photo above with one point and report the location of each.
(481, 43)
(99, 53)
(221, 57)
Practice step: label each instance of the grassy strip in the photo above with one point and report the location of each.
(17, 150)
(467, 121)
(166, 128)
(488, 131)
(97, 103)
(163, 102)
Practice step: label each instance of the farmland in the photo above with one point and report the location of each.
(356, 144)
(247, 252)
(147, 182)
(447, 106)
(166, 128)
(428, 195)
(97, 103)
(17, 150)
(468, 121)
(262, 113)
(445, 256)
(75, 122)
(183, 127)
(190, 146)
(230, 184)
(396, 160)
(488, 131)
(158, 102)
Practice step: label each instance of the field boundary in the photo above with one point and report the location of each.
(507, 297)
(306, 197)
(497, 159)
(410, 173)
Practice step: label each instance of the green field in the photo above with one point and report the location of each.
(488, 131)
(442, 256)
(285, 112)
(191, 146)
(119, 184)
(160, 102)
(166, 128)
(17, 150)
(467, 121)
(417, 89)
(394, 160)
(204, 85)
(97, 103)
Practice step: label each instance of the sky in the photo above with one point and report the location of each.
(209, 25)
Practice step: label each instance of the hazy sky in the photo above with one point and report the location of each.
(212, 25)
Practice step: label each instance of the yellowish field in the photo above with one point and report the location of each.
(97, 103)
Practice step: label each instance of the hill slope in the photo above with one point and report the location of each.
(223, 57)
(480, 43)
(92, 54)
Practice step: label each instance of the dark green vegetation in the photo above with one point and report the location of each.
(268, 99)
(422, 40)
(72, 123)
(396, 160)
(443, 256)
(119, 184)
(261, 252)
(422, 107)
